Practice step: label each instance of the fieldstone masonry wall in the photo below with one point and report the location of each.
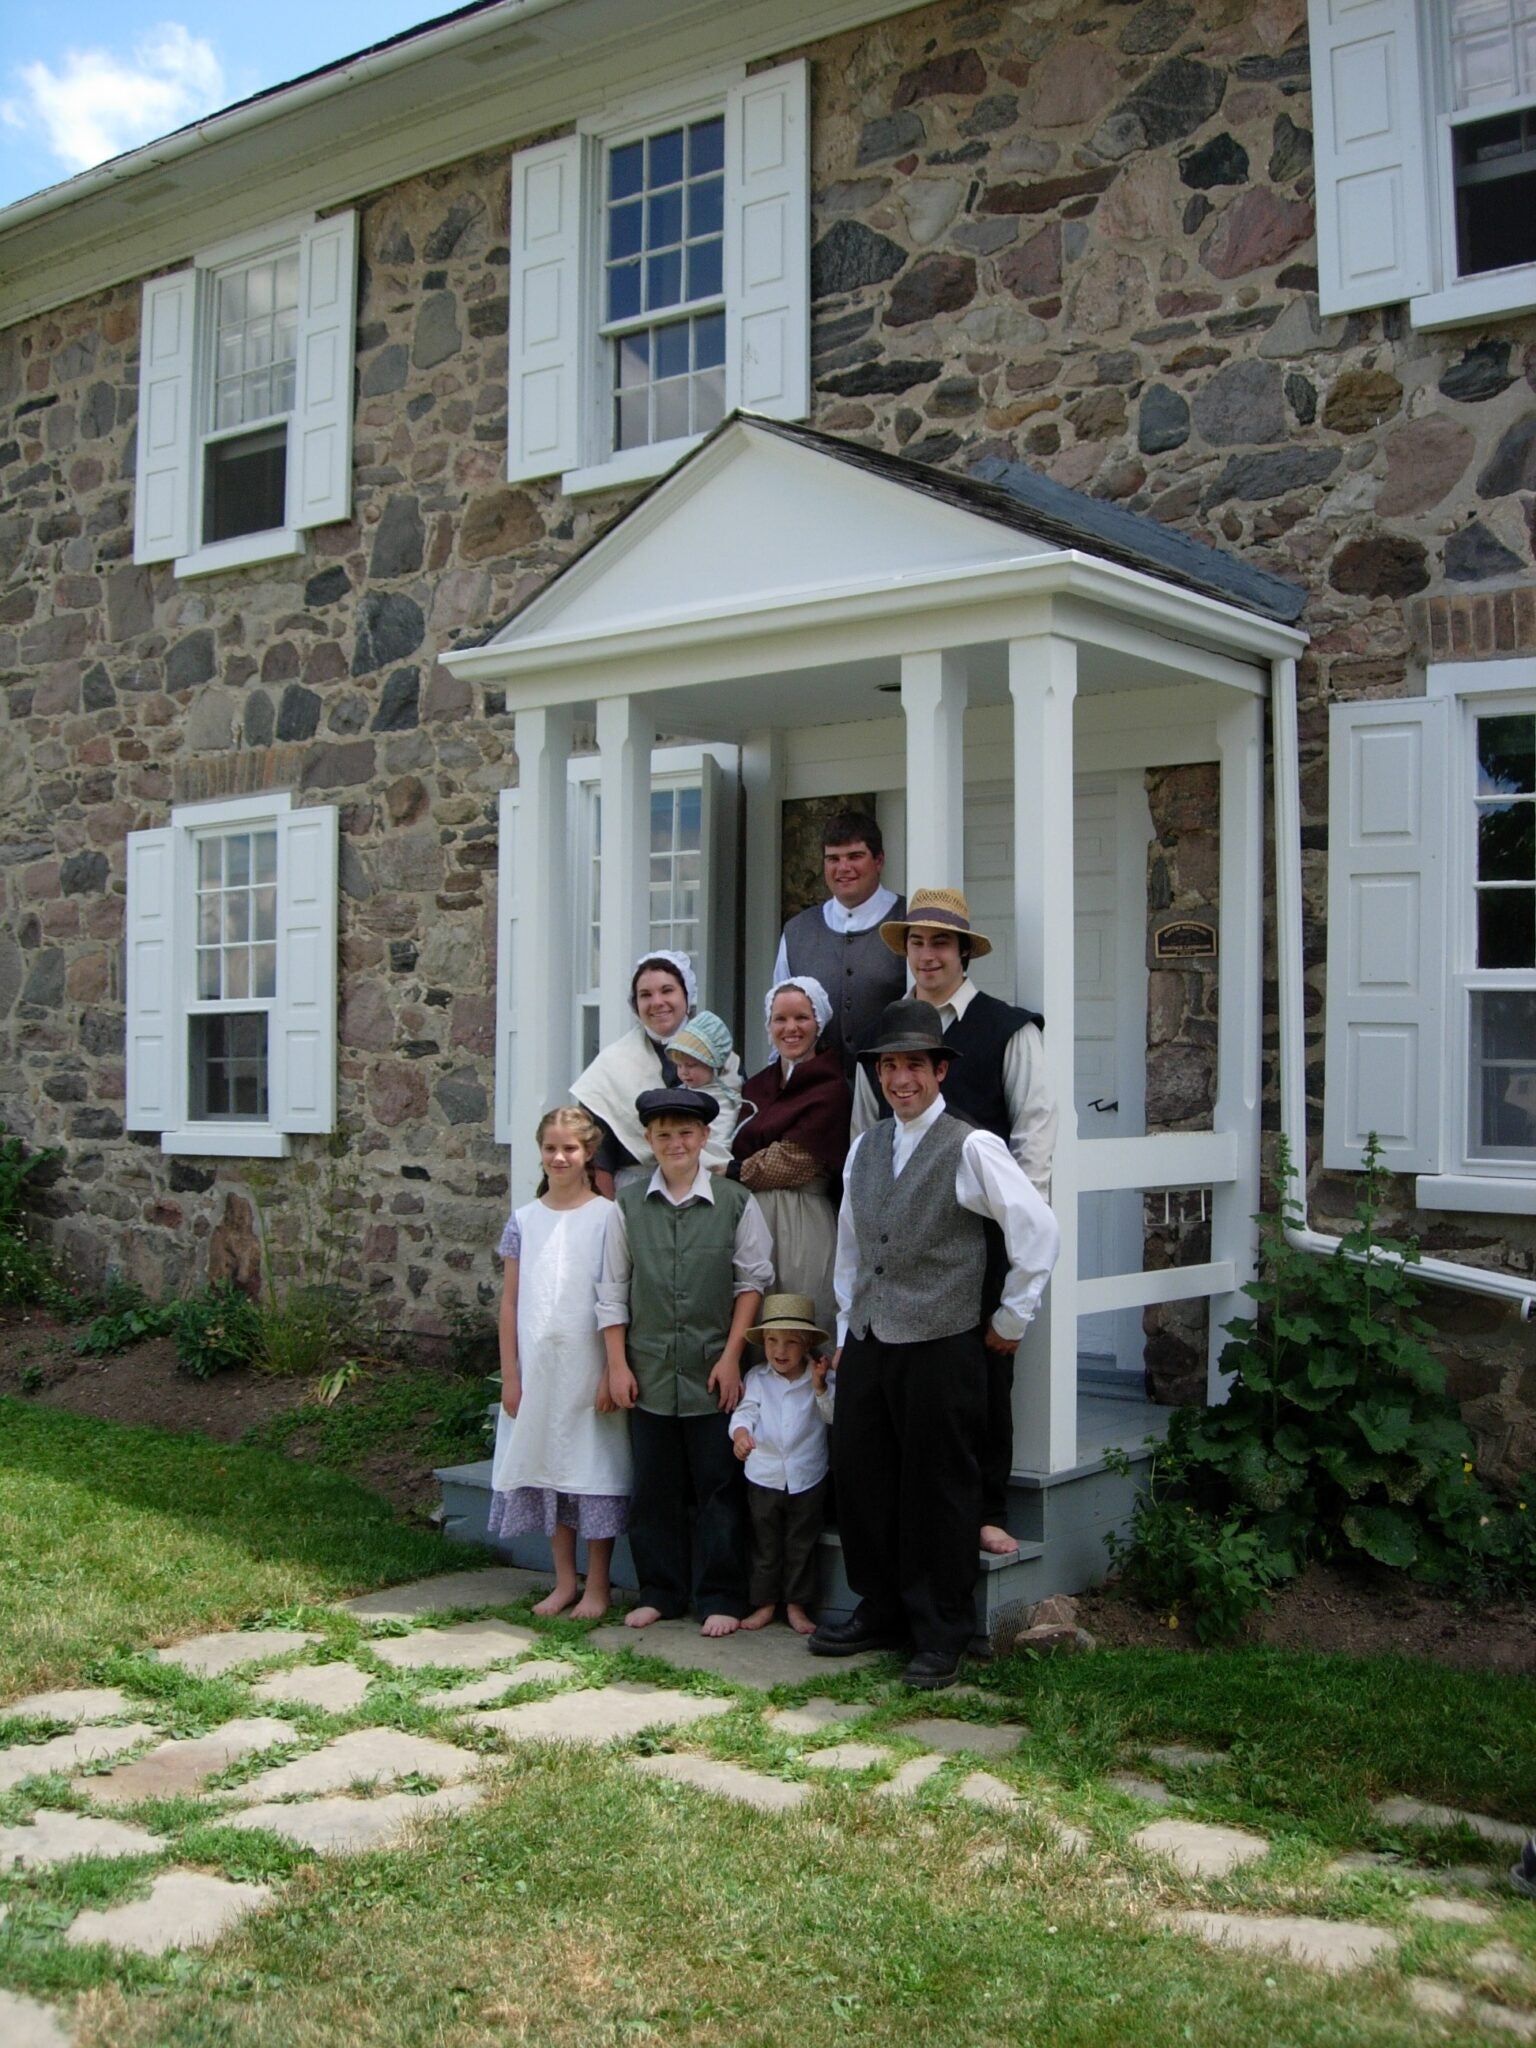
(1077, 235)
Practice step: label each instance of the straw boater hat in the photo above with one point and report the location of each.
(788, 1312)
(935, 910)
(909, 1025)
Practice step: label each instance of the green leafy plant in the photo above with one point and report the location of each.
(1189, 1560)
(215, 1331)
(127, 1317)
(27, 1272)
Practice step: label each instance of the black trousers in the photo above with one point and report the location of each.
(785, 1530)
(909, 1418)
(687, 1516)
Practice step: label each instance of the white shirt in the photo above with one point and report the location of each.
(838, 918)
(751, 1253)
(1031, 1105)
(787, 1420)
(989, 1183)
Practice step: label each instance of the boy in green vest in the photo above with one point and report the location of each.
(686, 1262)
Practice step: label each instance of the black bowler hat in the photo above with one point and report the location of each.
(909, 1025)
(657, 1102)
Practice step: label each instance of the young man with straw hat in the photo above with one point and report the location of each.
(911, 1388)
(999, 1085)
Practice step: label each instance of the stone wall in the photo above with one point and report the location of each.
(1077, 235)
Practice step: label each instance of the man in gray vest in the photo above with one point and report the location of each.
(911, 1386)
(839, 941)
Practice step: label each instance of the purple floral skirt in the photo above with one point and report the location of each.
(594, 1516)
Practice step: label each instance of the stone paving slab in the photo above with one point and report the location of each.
(610, 1714)
(212, 1656)
(1331, 1945)
(811, 1716)
(542, 1671)
(1415, 1813)
(1070, 1840)
(760, 1657)
(334, 1688)
(51, 1837)
(81, 1703)
(1465, 1876)
(725, 1781)
(955, 1736)
(1178, 1756)
(376, 1755)
(69, 1752)
(847, 1756)
(1451, 1912)
(497, 1586)
(185, 1909)
(173, 1768)
(1200, 1850)
(466, 1646)
(345, 1827)
(1498, 1959)
(24, 2023)
(909, 1777)
(982, 1789)
(474, 1692)
(1151, 1791)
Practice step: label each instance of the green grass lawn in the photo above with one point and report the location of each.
(583, 1904)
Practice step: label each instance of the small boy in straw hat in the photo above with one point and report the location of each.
(780, 1434)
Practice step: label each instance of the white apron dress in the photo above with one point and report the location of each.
(559, 1442)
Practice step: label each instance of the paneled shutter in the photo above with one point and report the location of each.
(320, 432)
(544, 322)
(506, 933)
(303, 1020)
(1373, 215)
(155, 1019)
(1388, 784)
(767, 243)
(162, 498)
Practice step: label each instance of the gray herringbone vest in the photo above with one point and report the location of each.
(858, 970)
(921, 1256)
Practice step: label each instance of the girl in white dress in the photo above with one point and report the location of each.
(562, 1448)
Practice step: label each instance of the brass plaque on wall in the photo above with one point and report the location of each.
(1185, 938)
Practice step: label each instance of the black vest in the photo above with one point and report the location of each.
(973, 1087)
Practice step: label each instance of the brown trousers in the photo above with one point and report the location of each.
(785, 1528)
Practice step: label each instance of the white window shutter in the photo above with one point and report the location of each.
(162, 497)
(544, 322)
(1371, 144)
(320, 431)
(767, 243)
(506, 936)
(156, 1021)
(302, 1047)
(1388, 831)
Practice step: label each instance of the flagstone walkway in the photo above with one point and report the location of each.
(317, 1762)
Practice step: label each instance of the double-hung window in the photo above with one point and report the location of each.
(245, 398)
(231, 976)
(1432, 936)
(659, 279)
(1426, 156)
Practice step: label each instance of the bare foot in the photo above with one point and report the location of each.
(997, 1541)
(590, 1607)
(557, 1601)
(799, 1620)
(719, 1625)
(642, 1617)
(759, 1617)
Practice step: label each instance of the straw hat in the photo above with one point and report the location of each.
(788, 1312)
(935, 910)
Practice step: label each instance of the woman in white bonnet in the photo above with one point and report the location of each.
(663, 994)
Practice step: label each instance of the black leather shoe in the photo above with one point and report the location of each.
(932, 1670)
(848, 1638)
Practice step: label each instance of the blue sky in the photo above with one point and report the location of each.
(82, 80)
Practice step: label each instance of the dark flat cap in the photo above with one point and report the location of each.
(657, 1102)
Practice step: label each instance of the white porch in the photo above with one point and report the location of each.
(850, 622)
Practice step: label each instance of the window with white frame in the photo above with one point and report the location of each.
(659, 278)
(1431, 1034)
(1426, 156)
(231, 976)
(245, 398)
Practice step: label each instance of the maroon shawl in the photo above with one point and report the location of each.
(812, 1109)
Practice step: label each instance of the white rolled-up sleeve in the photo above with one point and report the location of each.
(751, 1252)
(845, 1267)
(1031, 1106)
(990, 1182)
(613, 1282)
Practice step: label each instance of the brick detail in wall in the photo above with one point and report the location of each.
(1478, 623)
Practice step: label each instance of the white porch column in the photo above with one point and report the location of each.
(1240, 1010)
(762, 789)
(541, 942)
(626, 733)
(934, 688)
(1042, 680)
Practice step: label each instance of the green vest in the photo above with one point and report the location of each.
(681, 1292)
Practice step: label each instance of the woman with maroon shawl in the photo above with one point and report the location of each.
(793, 1140)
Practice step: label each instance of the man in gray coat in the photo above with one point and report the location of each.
(839, 941)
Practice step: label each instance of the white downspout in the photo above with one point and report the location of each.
(1293, 1076)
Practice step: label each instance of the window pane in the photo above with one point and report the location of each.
(1506, 756)
(672, 350)
(664, 219)
(672, 417)
(708, 400)
(245, 485)
(1506, 928)
(661, 821)
(237, 869)
(704, 269)
(706, 146)
(1506, 843)
(709, 341)
(264, 971)
(706, 207)
(690, 811)
(632, 425)
(624, 230)
(1503, 1091)
(634, 359)
(265, 923)
(264, 849)
(208, 964)
(663, 280)
(237, 973)
(624, 291)
(626, 170)
(666, 166)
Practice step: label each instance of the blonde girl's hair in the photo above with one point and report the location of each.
(572, 1117)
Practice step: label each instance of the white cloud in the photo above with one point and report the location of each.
(97, 104)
